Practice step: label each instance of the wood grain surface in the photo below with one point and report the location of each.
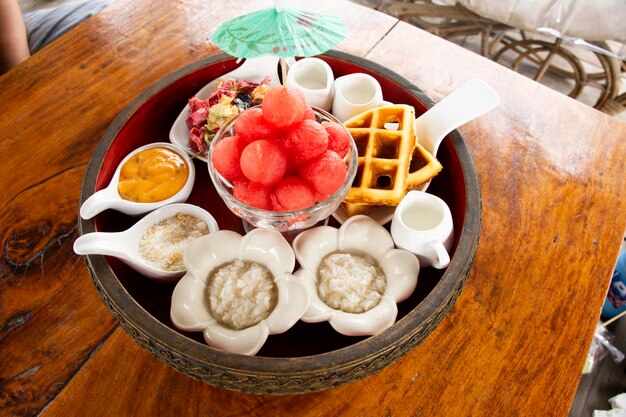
(552, 184)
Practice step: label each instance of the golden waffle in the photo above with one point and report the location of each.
(352, 209)
(384, 154)
(424, 166)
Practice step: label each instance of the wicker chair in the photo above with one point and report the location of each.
(591, 74)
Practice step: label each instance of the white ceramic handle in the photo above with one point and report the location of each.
(469, 101)
(443, 258)
(101, 243)
(98, 202)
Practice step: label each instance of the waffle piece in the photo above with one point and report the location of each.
(384, 154)
(353, 209)
(424, 167)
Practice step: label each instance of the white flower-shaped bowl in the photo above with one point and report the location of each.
(190, 310)
(360, 235)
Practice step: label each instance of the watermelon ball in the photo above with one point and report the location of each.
(309, 114)
(292, 168)
(292, 193)
(321, 197)
(253, 194)
(251, 125)
(225, 158)
(284, 106)
(263, 161)
(306, 141)
(326, 173)
(338, 138)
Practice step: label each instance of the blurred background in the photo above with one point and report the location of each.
(576, 47)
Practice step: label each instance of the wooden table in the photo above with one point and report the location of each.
(551, 173)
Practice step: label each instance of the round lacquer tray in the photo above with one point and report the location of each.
(318, 357)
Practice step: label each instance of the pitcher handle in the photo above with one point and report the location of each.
(443, 257)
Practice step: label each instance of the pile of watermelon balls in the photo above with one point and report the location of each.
(280, 158)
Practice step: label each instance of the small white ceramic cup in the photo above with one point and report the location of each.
(354, 94)
(422, 224)
(315, 79)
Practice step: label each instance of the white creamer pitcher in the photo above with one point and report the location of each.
(422, 224)
(315, 79)
(354, 94)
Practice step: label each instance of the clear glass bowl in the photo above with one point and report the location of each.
(279, 220)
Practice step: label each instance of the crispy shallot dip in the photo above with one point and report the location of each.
(350, 283)
(241, 294)
(163, 244)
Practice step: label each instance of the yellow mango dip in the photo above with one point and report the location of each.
(152, 175)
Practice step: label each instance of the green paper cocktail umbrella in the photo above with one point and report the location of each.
(278, 31)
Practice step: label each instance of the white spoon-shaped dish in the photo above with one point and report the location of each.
(472, 99)
(109, 197)
(252, 69)
(125, 245)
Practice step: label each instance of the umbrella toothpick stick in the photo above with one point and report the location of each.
(283, 70)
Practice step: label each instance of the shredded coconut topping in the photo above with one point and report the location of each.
(350, 283)
(163, 244)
